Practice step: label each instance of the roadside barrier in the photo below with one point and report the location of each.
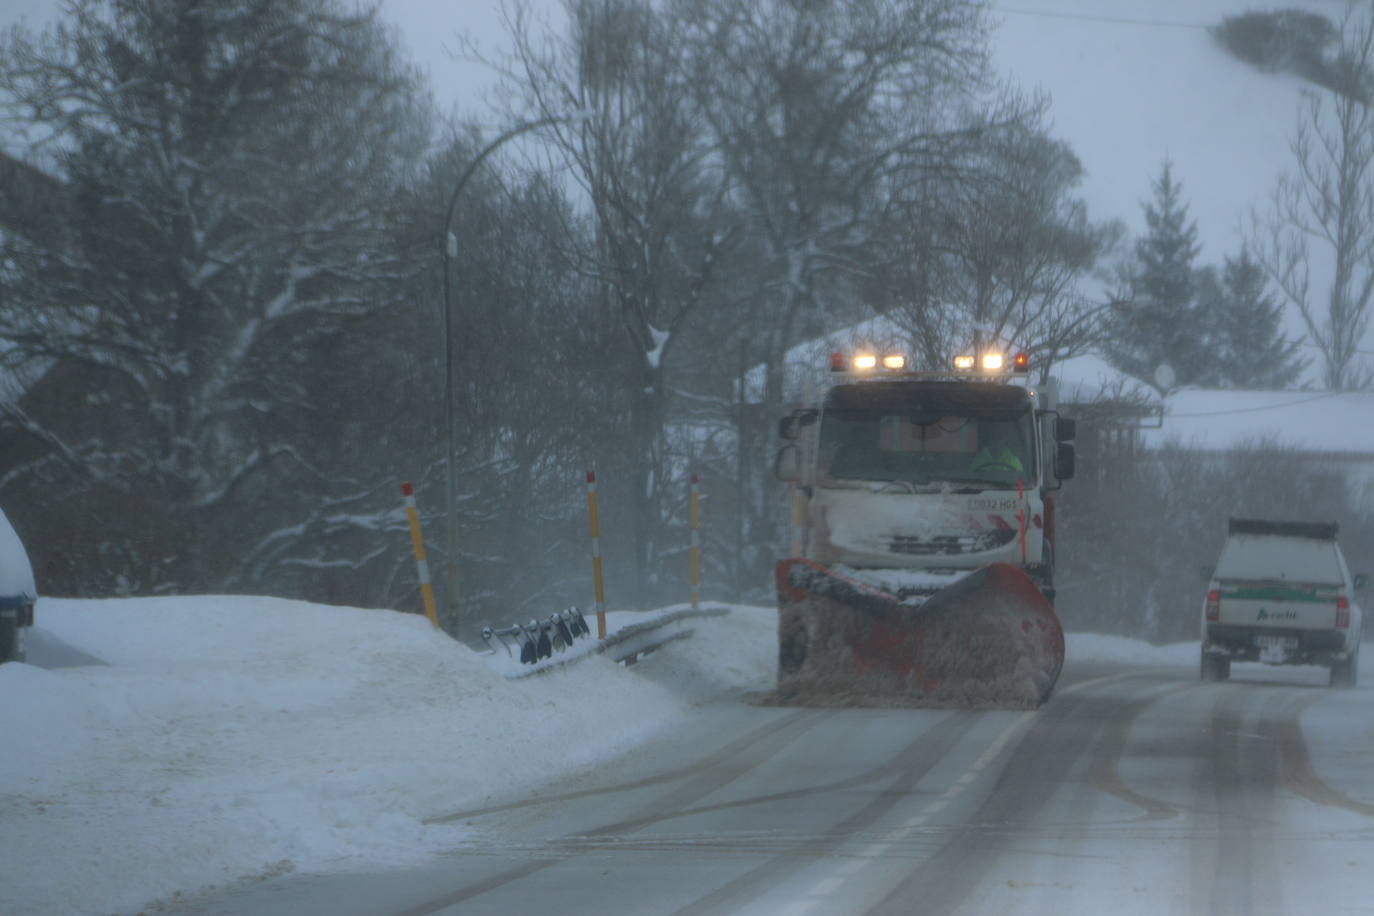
(538, 640)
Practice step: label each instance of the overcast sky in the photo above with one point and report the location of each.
(428, 29)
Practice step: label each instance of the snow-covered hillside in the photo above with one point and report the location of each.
(230, 737)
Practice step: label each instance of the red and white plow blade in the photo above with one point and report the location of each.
(989, 640)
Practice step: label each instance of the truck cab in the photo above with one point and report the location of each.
(937, 473)
(1281, 594)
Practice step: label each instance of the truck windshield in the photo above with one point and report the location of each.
(990, 447)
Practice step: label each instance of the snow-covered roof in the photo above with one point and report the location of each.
(1315, 421)
(1217, 420)
(1090, 378)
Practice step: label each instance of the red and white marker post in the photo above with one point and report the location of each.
(695, 502)
(596, 556)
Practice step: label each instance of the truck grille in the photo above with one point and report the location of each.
(973, 542)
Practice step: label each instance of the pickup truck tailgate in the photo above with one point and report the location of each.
(1284, 605)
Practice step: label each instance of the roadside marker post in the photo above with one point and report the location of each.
(596, 556)
(421, 564)
(696, 541)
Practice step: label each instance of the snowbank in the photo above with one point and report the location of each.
(235, 736)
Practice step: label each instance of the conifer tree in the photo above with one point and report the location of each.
(1157, 323)
(1244, 325)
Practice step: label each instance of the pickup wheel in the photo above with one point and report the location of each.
(1346, 673)
(1215, 667)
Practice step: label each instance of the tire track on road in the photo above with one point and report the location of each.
(900, 766)
(702, 778)
(1240, 872)
(740, 744)
(1105, 772)
(1298, 772)
(912, 763)
(1044, 755)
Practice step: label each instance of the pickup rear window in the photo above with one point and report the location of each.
(1261, 557)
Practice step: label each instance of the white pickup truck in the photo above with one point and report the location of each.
(1282, 594)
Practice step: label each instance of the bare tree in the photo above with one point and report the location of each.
(994, 255)
(1324, 212)
(635, 152)
(230, 172)
(813, 111)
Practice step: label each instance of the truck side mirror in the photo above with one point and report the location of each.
(1065, 429)
(789, 427)
(787, 466)
(1361, 581)
(1063, 462)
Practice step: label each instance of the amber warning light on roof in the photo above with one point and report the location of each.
(867, 362)
(992, 362)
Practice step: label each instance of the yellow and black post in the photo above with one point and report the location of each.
(421, 564)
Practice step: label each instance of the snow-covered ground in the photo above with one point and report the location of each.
(232, 736)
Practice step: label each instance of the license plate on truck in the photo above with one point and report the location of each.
(1276, 642)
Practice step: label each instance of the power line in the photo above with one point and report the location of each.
(1307, 343)
(1115, 20)
(1227, 413)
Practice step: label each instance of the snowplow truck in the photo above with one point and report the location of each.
(923, 553)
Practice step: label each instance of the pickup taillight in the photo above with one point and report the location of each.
(1342, 613)
(1214, 605)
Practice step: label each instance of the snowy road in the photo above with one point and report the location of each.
(1136, 790)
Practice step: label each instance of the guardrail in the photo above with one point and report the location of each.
(539, 640)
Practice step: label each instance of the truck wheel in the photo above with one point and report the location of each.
(1215, 667)
(1346, 673)
(9, 638)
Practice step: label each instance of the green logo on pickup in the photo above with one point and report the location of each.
(1277, 615)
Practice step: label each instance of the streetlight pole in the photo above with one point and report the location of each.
(450, 252)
